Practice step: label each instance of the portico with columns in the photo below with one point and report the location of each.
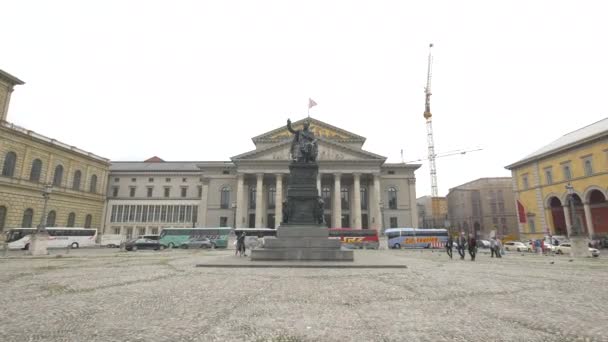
(352, 182)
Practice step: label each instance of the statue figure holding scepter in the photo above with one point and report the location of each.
(304, 144)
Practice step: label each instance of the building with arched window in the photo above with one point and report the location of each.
(579, 158)
(359, 188)
(29, 160)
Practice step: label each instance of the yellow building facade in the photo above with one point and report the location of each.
(578, 159)
(29, 161)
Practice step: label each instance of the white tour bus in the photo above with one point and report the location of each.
(59, 237)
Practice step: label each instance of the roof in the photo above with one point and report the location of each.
(475, 184)
(175, 166)
(12, 79)
(570, 140)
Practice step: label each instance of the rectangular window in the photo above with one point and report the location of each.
(345, 221)
(119, 214)
(549, 176)
(132, 191)
(524, 180)
(141, 231)
(156, 213)
(115, 191)
(182, 213)
(129, 232)
(188, 213)
(116, 180)
(495, 220)
(167, 180)
(150, 190)
(184, 180)
(223, 221)
(493, 208)
(163, 214)
(195, 214)
(132, 213)
(113, 215)
(393, 222)
(531, 225)
(344, 200)
(150, 180)
(175, 213)
(133, 180)
(184, 191)
(138, 214)
(200, 191)
(167, 191)
(125, 216)
(144, 214)
(154, 231)
(170, 213)
(567, 172)
(116, 230)
(501, 207)
(588, 166)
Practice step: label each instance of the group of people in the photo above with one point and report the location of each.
(463, 244)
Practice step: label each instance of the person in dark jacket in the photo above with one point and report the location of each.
(462, 243)
(448, 246)
(240, 245)
(472, 248)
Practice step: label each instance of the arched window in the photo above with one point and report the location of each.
(2, 217)
(10, 160)
(93, 185)
(35, 171)
(252, 198)
(88, 220)
(392, 198)
(51, 218)
(363, 198)
(326, 195)
(344, 199)
(71, 219)
(225, 198)
(272, 192)
(76, 181)
(28, 216)
(58, 176)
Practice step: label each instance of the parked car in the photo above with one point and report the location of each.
(566, 247)
(135, 244)
(111, 240)
(483, 244)
(515, 246)
(202, 242)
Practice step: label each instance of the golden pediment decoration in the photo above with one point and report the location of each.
(319, 131)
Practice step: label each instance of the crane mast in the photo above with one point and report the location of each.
(429, 126)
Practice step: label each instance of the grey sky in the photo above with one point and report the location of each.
(195, 80)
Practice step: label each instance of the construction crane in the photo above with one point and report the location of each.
(445, 154)
(429, 126)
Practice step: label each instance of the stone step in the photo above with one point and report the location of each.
(307, 254)
(302, 232)
(301, 243)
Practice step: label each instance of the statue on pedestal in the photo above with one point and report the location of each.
(304, 145)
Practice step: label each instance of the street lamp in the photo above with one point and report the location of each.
(573, 223)
(233, 205)
(579, 244)
(46, 192)
(38, 244)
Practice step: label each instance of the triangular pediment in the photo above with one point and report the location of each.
(328, 150)
(320, 128)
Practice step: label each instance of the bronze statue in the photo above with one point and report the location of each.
(304, 144)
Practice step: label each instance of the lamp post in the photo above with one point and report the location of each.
(38, 244)
(578, 244)
(233, 205)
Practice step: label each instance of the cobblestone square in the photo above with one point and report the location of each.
(107, 295)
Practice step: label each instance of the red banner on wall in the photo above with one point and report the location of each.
(521, 212)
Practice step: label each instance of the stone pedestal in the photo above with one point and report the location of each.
(579, 247)
(38, 244)
(302, 243)
(302, 235)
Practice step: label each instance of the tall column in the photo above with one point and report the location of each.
(589, 219)
(357, 201)
(567, 217)
(319, 183)
(240, 204)
(259, 206)
(278, 200)
(202, 207)
(375, 205)
(413, 207)
(336, 209)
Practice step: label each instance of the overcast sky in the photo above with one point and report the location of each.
(195, 80)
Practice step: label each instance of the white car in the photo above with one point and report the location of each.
(548, 247)
(515, 246)
(565, 248)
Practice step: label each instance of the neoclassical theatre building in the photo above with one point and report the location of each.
(360, 190)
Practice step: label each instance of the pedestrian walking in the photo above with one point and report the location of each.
(462, 242)
(240, 245)
(493, 247)
(448, 246)
(499, 251)
(472, 247)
